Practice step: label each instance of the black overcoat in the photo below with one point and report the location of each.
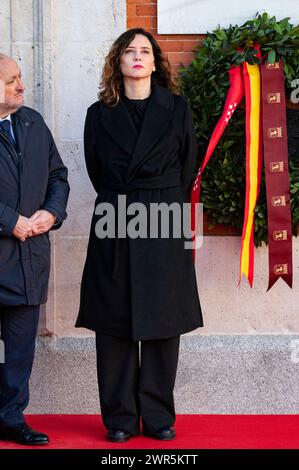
(142, 288)
(32, 177)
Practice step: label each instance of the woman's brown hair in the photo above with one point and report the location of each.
(111, 85)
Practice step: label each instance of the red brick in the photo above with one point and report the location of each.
(180, 37)
(172, 46)
(131, 10)
(189, 46)
(180, 57)
(146, 10)
(188, 57)
(139, 22)
(139, 2)
(154, 23)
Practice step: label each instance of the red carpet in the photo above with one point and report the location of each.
(193, 432)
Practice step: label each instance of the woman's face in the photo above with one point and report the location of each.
(138, 59)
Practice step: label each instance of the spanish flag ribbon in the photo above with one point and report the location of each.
(247, 80)
(252, 86)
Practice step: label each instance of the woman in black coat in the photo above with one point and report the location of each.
(140, 147)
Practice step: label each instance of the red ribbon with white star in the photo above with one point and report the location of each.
(234, 96)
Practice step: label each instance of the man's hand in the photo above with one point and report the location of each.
(23, 228)
(42, 221)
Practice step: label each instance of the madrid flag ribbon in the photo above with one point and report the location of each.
(263, 87)
(276, 173)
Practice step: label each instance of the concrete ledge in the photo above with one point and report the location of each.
(229, 374)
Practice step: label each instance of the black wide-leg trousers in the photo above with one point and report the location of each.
(18, 332)
(133, 387)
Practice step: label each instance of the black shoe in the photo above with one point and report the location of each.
(164, 434)
(23, 434)
(118, 435)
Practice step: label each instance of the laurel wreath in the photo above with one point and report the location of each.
(205, 83)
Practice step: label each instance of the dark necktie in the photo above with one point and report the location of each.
(6, 129)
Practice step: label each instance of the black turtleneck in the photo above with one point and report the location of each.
(136, 109)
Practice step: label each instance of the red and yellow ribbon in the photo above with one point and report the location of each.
(252, 86)
(246, 80)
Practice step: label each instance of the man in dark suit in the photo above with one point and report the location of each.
(33, 198)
